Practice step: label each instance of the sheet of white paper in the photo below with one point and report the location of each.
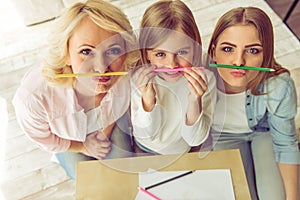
(200, 185)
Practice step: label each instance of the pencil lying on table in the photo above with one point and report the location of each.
(242, 67)
(91, 74)
(168, 180)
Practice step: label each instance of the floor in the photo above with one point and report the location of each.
(289, 12)
(26, 172)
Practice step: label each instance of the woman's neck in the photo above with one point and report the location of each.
(89, 102)
(228, 89)
(99, 97)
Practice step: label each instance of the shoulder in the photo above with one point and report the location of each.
(34, 87)
(32, 81)
(280, 85)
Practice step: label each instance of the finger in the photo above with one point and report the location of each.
(197, 85)
(198, 75)
(104, 150)
(145, 76)
(145, 71)
(102, 153)
(101, 136)
(201, 73)
(92, 135)
(145, 83)
(101, 156)
(104, 144)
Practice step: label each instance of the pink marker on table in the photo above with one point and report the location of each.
(172, 69)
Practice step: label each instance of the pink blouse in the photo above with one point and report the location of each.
(52, 116)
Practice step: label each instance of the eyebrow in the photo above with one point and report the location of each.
(88, 45)
(249, 45)
(158, 49)
(115, 44)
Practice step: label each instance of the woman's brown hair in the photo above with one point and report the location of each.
(260, 20)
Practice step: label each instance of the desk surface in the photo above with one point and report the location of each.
(117, 178)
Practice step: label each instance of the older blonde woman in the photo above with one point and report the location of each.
(81, 118)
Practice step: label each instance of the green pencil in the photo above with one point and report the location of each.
(242, 67)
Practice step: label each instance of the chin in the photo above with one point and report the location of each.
(238, 85)
(171, 80)
(102, 89)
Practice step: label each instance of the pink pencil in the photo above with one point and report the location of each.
(148, 193)
(172, 69)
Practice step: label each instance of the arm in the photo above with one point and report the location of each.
(145, 124)
(96, 145)
(282, 107)
(32, 118)
(196, 133)
(143, 81)
(197, 83)
(290, 178)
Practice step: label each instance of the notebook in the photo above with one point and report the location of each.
(200, 185)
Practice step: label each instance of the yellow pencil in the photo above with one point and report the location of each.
(91, 74)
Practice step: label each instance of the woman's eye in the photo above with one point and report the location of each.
(182, 52)
(86, 51)
(114, 51)
(160, 54)
(253, 51)
(227, 49)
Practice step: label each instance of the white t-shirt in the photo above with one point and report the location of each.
(230, 113)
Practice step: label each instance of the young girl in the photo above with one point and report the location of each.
(171, 110)
(260, 106)
(80, 118)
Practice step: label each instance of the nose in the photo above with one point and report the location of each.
(100, 64)
(172, 61)
(239, 59)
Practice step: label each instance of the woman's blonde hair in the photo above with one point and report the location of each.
(163, 17)
(260, 20)
(106, 16)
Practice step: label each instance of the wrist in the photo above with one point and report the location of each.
(76, 146)
(148, 103)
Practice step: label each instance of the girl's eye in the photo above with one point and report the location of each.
(227, 49)
(85, 51)
(253, 51)
(182, 52)
(114, 51)
(160, 54)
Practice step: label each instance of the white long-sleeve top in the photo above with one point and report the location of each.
(163, 130)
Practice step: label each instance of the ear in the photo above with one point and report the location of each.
(213, 50)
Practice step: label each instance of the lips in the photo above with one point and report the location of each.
(102, 79)
(238, 73)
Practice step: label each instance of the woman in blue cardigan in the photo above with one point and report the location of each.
(255, 109)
